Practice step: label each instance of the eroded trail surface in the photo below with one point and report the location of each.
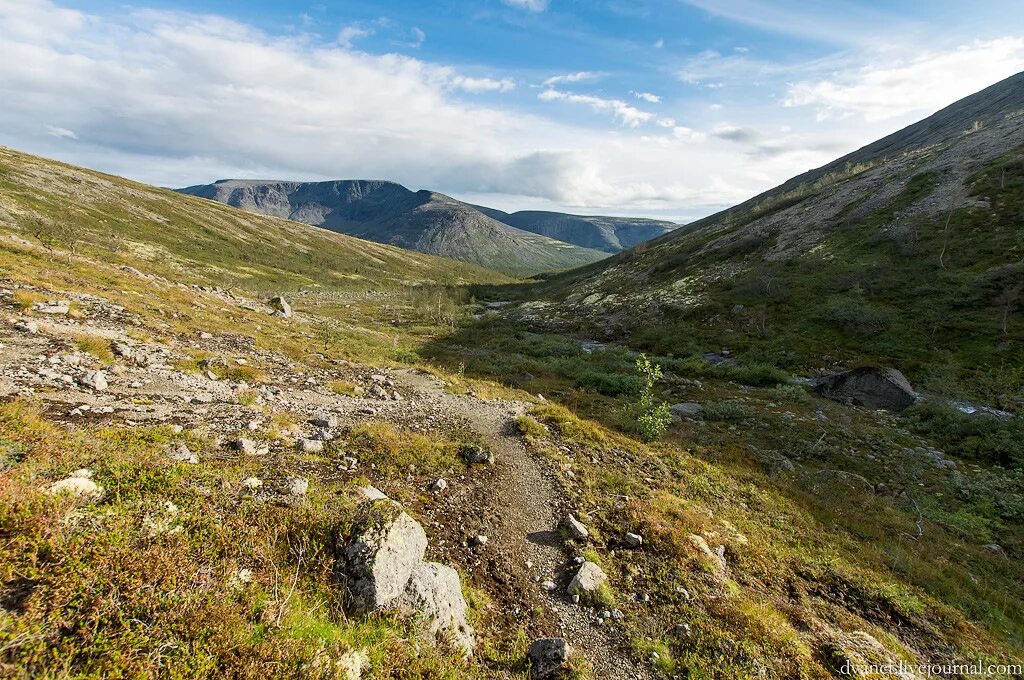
(522, 507)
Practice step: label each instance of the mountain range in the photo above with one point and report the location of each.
(521, 243)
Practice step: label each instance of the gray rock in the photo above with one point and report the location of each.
(377, 392)
(372, 493)
(246, 446)
(439, 485)
(633, 540)
(687, 409)
(183, 454)
(27, 326)
(311, 445)
(872, 387)
(281, 307)
(324, 419)
(60, 308)
(434, 591)
(387, 545)
(298, 486)
(95, 380)
(474, 453)
(548, 657)
(575, 528)
(588, 580)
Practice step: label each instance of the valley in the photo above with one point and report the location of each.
(236, 445)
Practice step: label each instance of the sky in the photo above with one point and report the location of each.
(661, 108)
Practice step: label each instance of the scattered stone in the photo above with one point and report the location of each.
(479, 539)
(324, 419)
(377, 392)
(252, 482)
(476, 454)
(633, 540)
(122, 349)
(281, 307)
(587, 581)
(246, 446)
(575, 528)
(872, 387)
(298, 486)
(79, 485)
(549, 586)
(27, 326)
(372, 493)
(716, 558)
(439, 485)
(95, 380)
(687, 409)
(548, 657)
(311, 445)
(203, 335)
(56, 308)
(183, 454)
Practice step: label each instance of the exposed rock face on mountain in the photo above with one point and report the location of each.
(907, 251)
(386, 212)
(609, 234)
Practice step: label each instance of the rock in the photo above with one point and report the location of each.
(386, 546)
(439, 485)
(549, 586)
(246, 446)
(27, 326)
(377, 392)
(587, 581)
(60, 308)
(633, 540)
(324, 419)
(548, 657)
(474, 453)
(203, 335)
(298, 486)
(372, 493)
(95, 380)
(994, 548)
(79, 485)
(715, 558)
(479, 539)
(311, 445)
(715, 359)
(350, 665)
(252, 483)
(122, 349)
(183, 454)
(434, 591)
(575, 528)
(281, 307)
(869, 386)
(687, 409)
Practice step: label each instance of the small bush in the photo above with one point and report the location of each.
(979, 436)
(650, 416)
(727, 411)
(345, 387)
(611, 384)
(755, 373)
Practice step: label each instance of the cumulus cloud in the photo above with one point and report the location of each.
(626, 114)
(922, 83)
(349, 34)
(528, 5)
(647, 97)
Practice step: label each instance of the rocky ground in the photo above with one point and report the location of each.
(89, 362)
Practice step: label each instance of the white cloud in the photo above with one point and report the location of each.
(528, 5)
(476, 85)
(920, 84)
(418, 37)
(626, 114)
(578, 77)
(60, 133)
(647, 97)
(349, 34)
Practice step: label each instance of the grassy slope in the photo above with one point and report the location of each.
(873, 289)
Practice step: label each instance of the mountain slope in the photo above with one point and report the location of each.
(906, 251)
(389, 213)
(609, 234)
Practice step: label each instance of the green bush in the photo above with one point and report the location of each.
(757, 374)
(611, 384)
(650, 416)
(727, 410)
(981, 437)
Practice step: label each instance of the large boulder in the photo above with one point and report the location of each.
(548, 657)
(869, 386)
(281, 307)
(435, 592)
(587, 581)
(387, 546)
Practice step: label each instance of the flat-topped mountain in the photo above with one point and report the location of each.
(386, 212)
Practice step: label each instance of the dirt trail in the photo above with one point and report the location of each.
(522, 514)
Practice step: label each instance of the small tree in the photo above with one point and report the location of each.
(54, 235)
(326, 333)
(651, 416)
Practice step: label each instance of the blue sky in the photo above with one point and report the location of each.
(651, 107)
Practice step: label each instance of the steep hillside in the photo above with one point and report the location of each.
(610, 234)
(909, 251)
(389, 213)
